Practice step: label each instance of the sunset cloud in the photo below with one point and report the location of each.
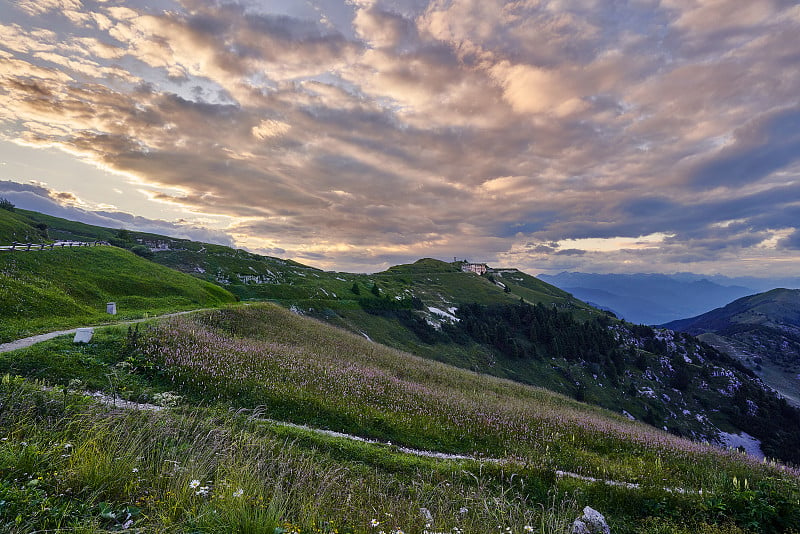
(356, 134)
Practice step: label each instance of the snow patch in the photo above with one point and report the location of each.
(751, 445)
(443, 313)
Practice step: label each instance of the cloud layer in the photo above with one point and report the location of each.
(543, 134)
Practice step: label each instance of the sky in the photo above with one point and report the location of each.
(579, 135)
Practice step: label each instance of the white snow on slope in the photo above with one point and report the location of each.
(751, 445)
(443, 313)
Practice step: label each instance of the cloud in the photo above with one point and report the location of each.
(358, 133)
(269, 128)
(765, 145)
(791, 242)
(66, 205)
(38, 7)
(571, 252)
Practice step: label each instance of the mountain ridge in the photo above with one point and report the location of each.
(762, 331)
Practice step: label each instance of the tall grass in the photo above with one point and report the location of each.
(217, 472)
(219, 463)
(305, 372)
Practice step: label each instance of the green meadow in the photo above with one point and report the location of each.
(66, 287)
(212, 422)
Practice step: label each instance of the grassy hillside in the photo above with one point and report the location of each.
(762, 331)
(15, 226)
(68, 287)
(669, 381)
(256, 277)
(223, 459)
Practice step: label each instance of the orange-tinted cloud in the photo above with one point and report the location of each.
(369, 131)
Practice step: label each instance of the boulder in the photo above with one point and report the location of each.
(591, 522)
(83, 335)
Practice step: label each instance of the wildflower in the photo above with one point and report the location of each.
(374, 523)
(238, 493)
(203, 491)
(194, 483)
(463, 510)
(135, 470)
(528, 528)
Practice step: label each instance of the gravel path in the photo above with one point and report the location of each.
(118, 403)
(28, 341)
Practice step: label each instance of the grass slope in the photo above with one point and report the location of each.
(67, 287)
(439, 287)
(255, 277)
(657, 377)
(15, 226)
(219, 461)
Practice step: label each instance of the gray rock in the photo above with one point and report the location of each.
(592, 522)
(83, 335)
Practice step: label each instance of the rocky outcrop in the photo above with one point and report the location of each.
(591, 522)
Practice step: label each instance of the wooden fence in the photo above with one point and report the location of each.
(51, 246)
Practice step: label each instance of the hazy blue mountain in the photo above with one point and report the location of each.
(650, 298)
(758, 284)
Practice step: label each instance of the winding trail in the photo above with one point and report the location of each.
(33, 340)
(130, 405)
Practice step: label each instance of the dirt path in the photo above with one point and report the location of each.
(32, 340)
(108, 400)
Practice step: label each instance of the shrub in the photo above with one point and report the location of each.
(142, 250)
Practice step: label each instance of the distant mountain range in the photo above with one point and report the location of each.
(659, 298)
(762, 331)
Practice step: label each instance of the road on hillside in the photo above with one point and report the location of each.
(32, 247)
(32, 340)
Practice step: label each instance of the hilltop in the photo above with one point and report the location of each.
(762, 331)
